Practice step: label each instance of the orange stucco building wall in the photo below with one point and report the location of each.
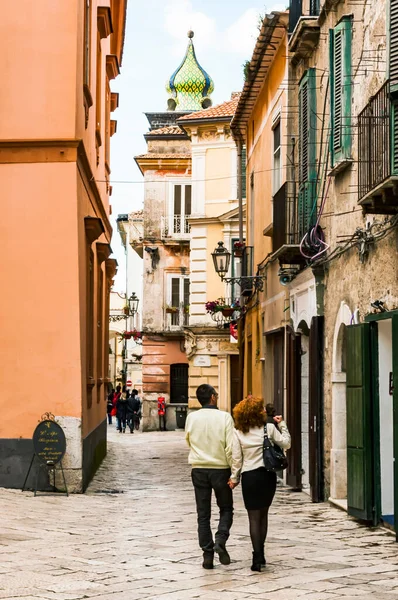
(55, 229)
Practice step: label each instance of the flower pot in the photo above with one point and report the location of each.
(228, 311)
(171, 310)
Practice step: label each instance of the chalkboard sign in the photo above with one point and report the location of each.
(49, 442)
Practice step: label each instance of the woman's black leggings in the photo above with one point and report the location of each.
(258, 525)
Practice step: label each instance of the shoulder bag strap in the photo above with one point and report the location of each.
(266, 442)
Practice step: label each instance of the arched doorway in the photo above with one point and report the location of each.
(338, 452)
(304, 331)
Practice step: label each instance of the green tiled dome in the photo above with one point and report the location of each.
(189, 86)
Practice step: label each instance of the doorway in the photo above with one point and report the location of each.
(234, 380)
(305, 457)
(179, 383)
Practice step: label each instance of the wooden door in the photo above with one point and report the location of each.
(278, 379)
(234, 378)
(360, 434)
(293, 406)
(315, 417)
(179, 383)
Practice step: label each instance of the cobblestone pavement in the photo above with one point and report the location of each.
(132, 536)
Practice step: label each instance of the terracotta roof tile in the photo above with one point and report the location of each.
(170, 130)
(226, 109)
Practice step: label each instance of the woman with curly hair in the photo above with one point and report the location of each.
(258, 485)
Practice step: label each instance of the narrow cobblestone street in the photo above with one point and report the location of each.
(133, 536)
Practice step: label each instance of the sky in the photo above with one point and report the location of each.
(155, 44)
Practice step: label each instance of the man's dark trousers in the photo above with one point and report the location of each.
(204, 481)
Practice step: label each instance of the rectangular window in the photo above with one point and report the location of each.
(182, 207)
(340, 91)
(243, 167)
(186, 301)
(307, 153)
(178, 301)
(277, 176)
(236, 262)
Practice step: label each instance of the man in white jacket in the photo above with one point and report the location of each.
(209, 434)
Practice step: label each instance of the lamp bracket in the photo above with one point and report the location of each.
(246, 281)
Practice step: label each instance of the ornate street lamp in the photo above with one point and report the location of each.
(221, 259)
(133, 304)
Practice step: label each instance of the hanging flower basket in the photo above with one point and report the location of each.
(213, 306)
(172, 309)
(238, 249)
(127, 335)
(228, 311)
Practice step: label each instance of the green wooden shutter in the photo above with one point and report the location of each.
(394, 138)
(393, 45)
(307, 152)
(340, 90)
(359, 425)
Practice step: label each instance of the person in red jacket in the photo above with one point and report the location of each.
(115, 398)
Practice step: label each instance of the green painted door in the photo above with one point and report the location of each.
(360, 488)
(395, 414)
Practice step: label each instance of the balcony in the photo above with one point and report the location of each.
(378, 154)
(286, 229)
(175, 227)
(304, 29)
(247, 285)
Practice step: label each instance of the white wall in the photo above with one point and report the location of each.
(386, 418)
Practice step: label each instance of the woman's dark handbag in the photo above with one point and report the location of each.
(273, 456)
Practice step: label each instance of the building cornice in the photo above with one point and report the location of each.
(38, 151)
(163, 164)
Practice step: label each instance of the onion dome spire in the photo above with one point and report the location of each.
(189, 86)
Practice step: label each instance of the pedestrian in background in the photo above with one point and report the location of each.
(133, 407)
(121, 412)
(115, 398)
(258, 485)
(138, 411)
(109, 406)
(209, 434)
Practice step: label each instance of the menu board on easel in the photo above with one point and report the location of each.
(49, 442)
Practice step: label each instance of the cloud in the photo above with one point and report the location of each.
(180, 17)
(238, 38)
(241, 36)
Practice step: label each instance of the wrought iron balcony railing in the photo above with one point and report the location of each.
(176, 318)
(286, 228)
(175, 226)
(377, 153)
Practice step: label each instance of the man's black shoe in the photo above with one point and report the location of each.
(208, 560)
(222, 553)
